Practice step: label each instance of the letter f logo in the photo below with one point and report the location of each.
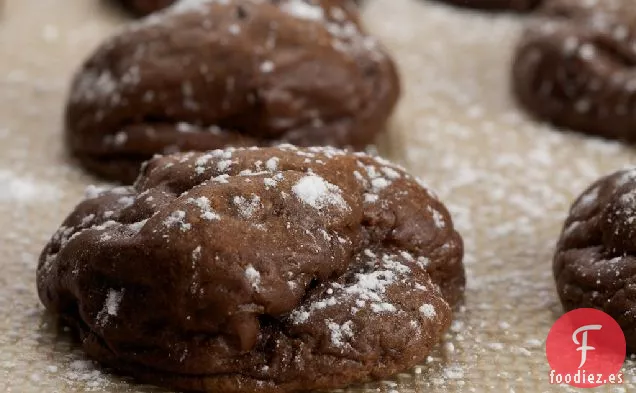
(583, 344)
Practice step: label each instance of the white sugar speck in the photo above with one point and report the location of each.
(87, 219)
(303, 10)
(383, 307)
(340, 333)
(221, 179)
(438, 219)
(423, 262)
(224, 165)
(267, 67)
(177, 218)
(111, 306)
(234, 29)
(269, 183)
(272, 164)
(587, 51)
(370, 198)
(379, 183)
(253, 277)
(135, 227)
(120, 138)
(203, 203)
(196, 254)
(247, 207)
(428, 311)
(126, 201)
(92, 191)
(391, 173)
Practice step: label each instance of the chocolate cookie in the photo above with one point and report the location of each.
(497, 5)
(208, 74)
(145, 7)
(257, 270)
(581, 9)
(595, 261)
(575, 67)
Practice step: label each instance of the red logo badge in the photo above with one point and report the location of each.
(586, 349)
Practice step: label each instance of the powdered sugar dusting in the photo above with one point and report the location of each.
(457, 127)
(438, 219)
(383, 307)
(111, 306)
(203, 203)
(303, 10)
(340, 333)
(224, 165)
(92, 191)
(193, 5)
(23, 189)
(507, 181)
(367, 290)
(247, 206)
(319, 193)
(178, 219)
(94, 85)
(136, 226)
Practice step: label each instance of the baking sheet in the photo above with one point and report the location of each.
(507, 180)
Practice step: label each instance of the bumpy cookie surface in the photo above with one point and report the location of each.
(205, 74)
(595, 262)
(496, 5)
(263, 269)
(575, 67)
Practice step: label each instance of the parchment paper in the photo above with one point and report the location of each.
(507, 180)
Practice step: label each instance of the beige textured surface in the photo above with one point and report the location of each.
(507, 180)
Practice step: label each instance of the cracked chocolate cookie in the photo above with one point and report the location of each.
(581, 9)
(497, 5)
(207, 74)
(145, 7)
(575, 67)
(257, 270)
(594, 265)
